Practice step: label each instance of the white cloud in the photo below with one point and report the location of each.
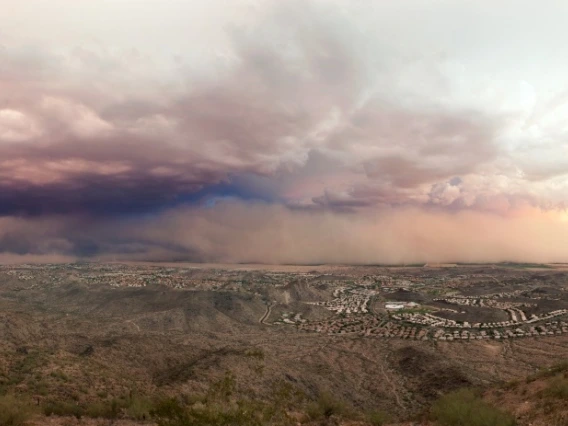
(16, 126)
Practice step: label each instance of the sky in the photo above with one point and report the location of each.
(284, 131)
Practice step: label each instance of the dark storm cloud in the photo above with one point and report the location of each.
(303, 82)
(94, 194)
(67, 148)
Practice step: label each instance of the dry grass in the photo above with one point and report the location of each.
(15, 411)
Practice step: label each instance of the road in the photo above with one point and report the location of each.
(266, 314)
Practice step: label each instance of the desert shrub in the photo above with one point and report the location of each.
(104, 409)
(465, 408)
(171, 412)
(38, 386)
(133, 407)
(286, 395)
(378, 418)
(59, 375)
(221, 407)
(223, 389)
(138, 408)
(100, 410)
(29, 363)
(255, 353)
(513, 384)
(548, 406)
(557, 388)
(549, 372)
(14, 411)
(63, 408)
(325, 406)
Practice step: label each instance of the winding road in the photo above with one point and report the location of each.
(266, 314)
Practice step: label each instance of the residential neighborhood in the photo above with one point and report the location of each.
(419, 303)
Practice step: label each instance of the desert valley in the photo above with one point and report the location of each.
(380, 339)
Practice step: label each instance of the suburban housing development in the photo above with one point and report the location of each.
(469, 302)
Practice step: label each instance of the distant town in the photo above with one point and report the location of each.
(421, 303)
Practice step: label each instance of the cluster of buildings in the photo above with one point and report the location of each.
(406, 319)
(397, 306)
(21, 275)
(349, 300)
(352, 297)
(124, 275)
(375, 327)
(290, 318)
(430, 320)
(463, 299)
(484, 302)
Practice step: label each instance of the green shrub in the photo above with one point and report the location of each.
(14, 411)
(286, 395)
(133, 407)
(63, 408)
(59, 375)
(98, 410)
(255, 353)
(221, 407)
(104, 409)
(223, 389)
(557, 388)
(514, 384)
(549, 372)
(138, 408)
(378, 418)
(170, 412)
(325, 406)
(465, 408)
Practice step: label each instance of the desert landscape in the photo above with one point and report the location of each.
(76, 338)
(283, 213)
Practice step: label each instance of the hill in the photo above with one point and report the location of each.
(106, 343)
